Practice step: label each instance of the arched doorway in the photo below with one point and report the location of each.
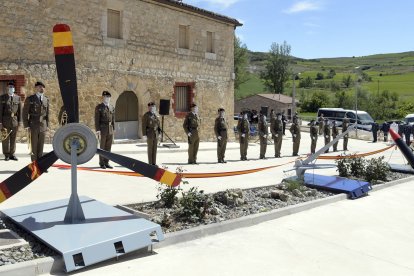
(126, 116)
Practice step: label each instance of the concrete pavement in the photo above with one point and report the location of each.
(329, 240)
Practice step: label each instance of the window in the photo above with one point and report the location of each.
(183, 37)
(183, 97)
(210, 42)
(114, 24)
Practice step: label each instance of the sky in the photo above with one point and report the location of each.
(321, 28)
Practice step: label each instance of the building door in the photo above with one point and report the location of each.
(126, 116)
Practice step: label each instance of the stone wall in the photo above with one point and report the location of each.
(146, 60)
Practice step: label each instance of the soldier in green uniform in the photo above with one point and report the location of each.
(277, 132)
(220, 129)
(327, 133)
(190, 126)
(335, 133)
(313, 135)
(295, 130)
(263, 132)
(243, 127)
(10, 114)
(272, 117)
(345, 124)
(105, 126)
(151, 129)
(36, 119)
(320, 123)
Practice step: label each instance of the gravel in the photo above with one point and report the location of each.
(225, 205)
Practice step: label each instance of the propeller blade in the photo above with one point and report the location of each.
(65, 67)
(150, 171)
(25, 176)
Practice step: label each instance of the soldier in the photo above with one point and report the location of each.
(345, 124)
(335, 132)
(190, 126)
(243, 127)
(10, 114)
(277, 132)
(263, 132)
(385, 128)
(320, 122)
(313, 135)
(295, 130)
(400, 129)
(374, 129)
(220, 129)
(151, 130)
(407, 134)
(105, 126)
(272, 117)
(327, 133)
(284, 122)
(36, 119)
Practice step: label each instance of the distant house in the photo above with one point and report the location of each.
(277, 102)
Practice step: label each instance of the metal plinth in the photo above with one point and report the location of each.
(106, 232)
(353, 188)
(401, 168)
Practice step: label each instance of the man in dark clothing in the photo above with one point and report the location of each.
(407, 134)
(374, 129)
(385, 128)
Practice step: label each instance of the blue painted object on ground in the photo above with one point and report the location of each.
(354, 188)
(106, 232)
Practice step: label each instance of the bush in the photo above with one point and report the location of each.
(194, 204)
(357, 166)
(343, 167)
(168, 195)
(294, 184)
(376, 169)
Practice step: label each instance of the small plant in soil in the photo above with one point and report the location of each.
(194, 205)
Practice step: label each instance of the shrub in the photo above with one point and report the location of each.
(168, 194)
(194, 204)
(343, 167)
(293, 184)
(376, 169)
(357, 166)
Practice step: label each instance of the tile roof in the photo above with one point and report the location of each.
(278, 97)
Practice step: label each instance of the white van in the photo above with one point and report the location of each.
(364, 119)
(409, 119)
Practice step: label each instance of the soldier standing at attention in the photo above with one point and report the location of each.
(313, 135)
(327, 133)
(284, 122)
(263, 132)
(295, 130)
(243, 127)
(36, 119)
(320, 122)
(272, 117)
(10, 114)
(190, 126)
(220, 129)
(335, 132)
(105, 126)
(345, 124)
(277, 131)
(151, 129)
(385, 129)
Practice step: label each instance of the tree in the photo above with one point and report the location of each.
(276, 71)
(331, 74)
(319, 76)
(240, 63)
(318, 99)
(347, 81)
(306, 82)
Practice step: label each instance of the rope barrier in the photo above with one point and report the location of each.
(230, 173)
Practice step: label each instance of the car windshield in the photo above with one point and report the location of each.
(365, 117)
(409, 120)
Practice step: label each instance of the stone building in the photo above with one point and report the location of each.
(139, 50)
(277, 102)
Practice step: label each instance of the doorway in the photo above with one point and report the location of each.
(126, 116)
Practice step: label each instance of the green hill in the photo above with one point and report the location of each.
(392, 72)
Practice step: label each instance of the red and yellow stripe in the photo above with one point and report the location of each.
(4, 192)
(62, 39)
(168, 178)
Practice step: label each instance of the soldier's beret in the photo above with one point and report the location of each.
(220, 109)
(39, 83)
(106, 94)
(10, 83)
(193, 105)
(151, 103)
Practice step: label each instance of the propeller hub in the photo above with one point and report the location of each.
(85, 140)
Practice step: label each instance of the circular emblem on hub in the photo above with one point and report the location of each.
(78, 135)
